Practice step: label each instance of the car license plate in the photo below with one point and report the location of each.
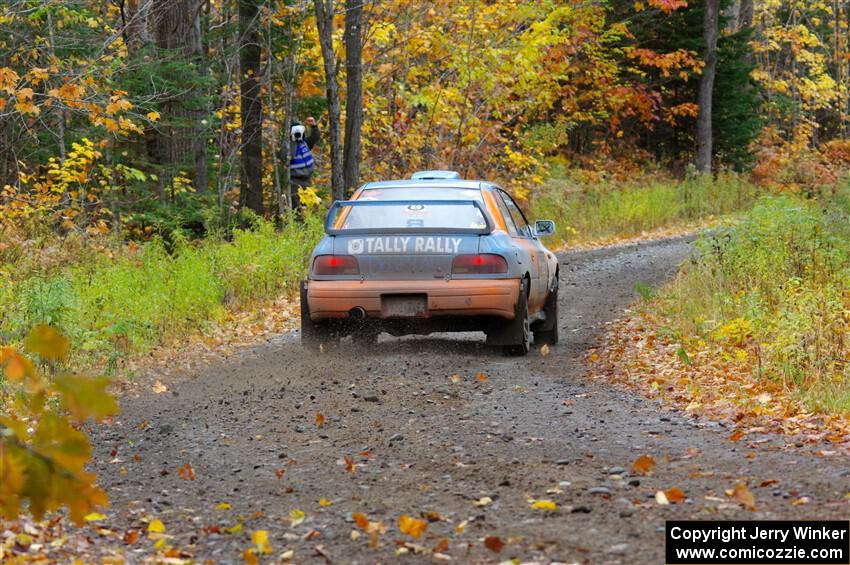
(404, 305)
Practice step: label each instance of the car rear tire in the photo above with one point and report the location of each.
(314, 335)
(519, 329)
(548, 333)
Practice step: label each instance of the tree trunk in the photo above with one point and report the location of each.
(706, 87)
(324, 24)
(745, 14)
(251, 103)
(182, 139)
(354, 92)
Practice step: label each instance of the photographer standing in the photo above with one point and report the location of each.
(301, 163)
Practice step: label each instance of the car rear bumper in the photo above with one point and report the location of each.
(458, 297)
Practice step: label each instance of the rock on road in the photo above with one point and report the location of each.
(435, 445)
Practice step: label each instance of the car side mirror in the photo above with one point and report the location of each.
(542, 228)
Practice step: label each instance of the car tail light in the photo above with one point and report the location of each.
(336, 265)
(483, 264)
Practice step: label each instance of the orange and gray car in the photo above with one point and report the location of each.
(431, 254)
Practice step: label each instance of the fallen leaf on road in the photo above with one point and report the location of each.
(661, 498)
(324, 502)
(736, 435)
(462, 526)
(361, 520)
(95, 517)
(456, 378)
(442, 545)
(494, 543)
(223, 506)
(287, 555)
(675, 495)
(349, 464)
(235, 529)
(279, 473)
(156, 526)
(544, 505)
(296, 516)
(131, 537)
(431, 516)
(320, 420)
(483, 501)
(312, 534)
(186, 472)
(544, 351)
(481, 377)
(159, 388)
(743, 496)
(260, 539)
(411, 526)
(643, 465)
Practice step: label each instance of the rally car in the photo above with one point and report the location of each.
(431, 254)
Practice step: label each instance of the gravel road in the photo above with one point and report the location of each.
(535, 428)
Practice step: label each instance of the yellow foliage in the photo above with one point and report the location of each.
(43, 454)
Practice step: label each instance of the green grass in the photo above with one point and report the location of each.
(585, 211)
(774, 288)
(119, 299)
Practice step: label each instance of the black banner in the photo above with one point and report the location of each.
(780, 542)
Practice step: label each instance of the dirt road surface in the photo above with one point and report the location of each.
(420, 442)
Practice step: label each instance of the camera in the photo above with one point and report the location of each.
(297, 132)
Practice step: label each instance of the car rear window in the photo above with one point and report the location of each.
(413, 215)
(415, 193)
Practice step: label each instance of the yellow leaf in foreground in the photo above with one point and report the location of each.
(297, 516)
(544, 505)
(156, 527)
(153, 116)
(411, 526)
(260, 539)
(47, 342)
(234, 529)
(94, 517)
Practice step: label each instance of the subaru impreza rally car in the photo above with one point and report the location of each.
(431, 254)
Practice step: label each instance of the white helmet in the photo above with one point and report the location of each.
(297, 132)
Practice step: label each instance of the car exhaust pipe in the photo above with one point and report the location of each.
(357, 313)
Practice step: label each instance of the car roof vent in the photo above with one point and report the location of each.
(435, 175)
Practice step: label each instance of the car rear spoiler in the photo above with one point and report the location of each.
(340, 208)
